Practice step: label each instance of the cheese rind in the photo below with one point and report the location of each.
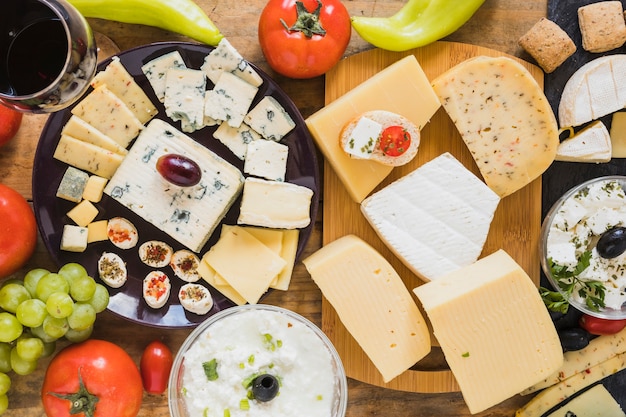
(372, 302)
(595, 402)
(592, 144)
(504, 119)
(493, 328)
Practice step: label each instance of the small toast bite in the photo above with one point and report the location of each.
(381, 136)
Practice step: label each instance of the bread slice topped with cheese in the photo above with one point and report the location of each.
(381, 136)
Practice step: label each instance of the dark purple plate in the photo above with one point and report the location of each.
(127, 301)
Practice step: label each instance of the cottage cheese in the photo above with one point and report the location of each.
(577, 225)
(259, 342)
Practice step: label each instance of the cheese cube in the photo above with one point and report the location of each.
(267, 159)
(494, 330)
(91, 158)
(275, 204)
(74, 238)
(184, 97)
(156, 69)
(81, 130)
(83, 213)
(94, 188)
(72, 185)
(372, 302)
(236, 139)
(230, 99)
(269, 118)
(97, 231)
(364, 138)
(225, 58)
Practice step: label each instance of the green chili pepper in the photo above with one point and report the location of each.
(181, 16)
(417, 23)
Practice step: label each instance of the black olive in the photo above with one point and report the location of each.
(567, 320)
(574, 338)
(265, 387)
(612, 243)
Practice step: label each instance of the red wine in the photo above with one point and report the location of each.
(36, 56)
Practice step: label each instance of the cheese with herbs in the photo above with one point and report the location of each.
(81, 130)
(88, 157)
(504, 119)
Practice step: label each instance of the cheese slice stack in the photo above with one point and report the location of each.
(493, 328)
(504, 118)
(592, 144)
(372, 302)
(596, 89)
(435, 219)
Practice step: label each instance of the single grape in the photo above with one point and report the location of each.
(5, 357)
(51, 283)
(11, 295)
(20, 365)
(179, 170)
(5, 383)
(100, 299)
(83, 316)
(82, 288)
(40, 333)
(32, 312)
(4, 403)
(71, 271)
(29, 348)
(55, 327)
(49, 348)
(31, 279)
(76, 336)
(59, 305)
(10, 327)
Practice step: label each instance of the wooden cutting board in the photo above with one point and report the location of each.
(515, 228)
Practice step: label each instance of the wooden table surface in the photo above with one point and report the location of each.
(498, 25)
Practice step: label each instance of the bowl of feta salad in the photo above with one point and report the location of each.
(256, 361)
(583, 248)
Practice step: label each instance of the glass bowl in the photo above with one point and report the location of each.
(585, 212)
(213, 369)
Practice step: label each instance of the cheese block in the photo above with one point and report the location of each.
(72, 185)
(156, 69)
(97, 231)
(266, 159)
(74, 238)
(184, 97)
(596, 402)
(493, 328)
(596, 89)
(187, 214)
(592, 144)
(81, 130)
(372, 302)
(225, 58)
(83, 213)
(270, 119)
(88, 157)
(435, 219)
(618, 135)
(109, 114)
(275, 204)
(504, 119)
(117, 79)
(230, 99)
(552, 396)
(94, 188)
(402, 88)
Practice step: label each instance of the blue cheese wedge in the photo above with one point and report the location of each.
(236, 139)
(266, 159)
(156, 289)
(230, 99)
(187, 214)
(225, 58)
(184, 97)
(185, 265)
(112, 270)
(72, 185)
(195, 298)
(156, 69)
(269, 119)
(155, 253)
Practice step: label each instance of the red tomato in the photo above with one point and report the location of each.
(156, 364)
(394, 141)
(10, 121)
(304, 39)
(98, 371)
(599, 326)
(18, 231)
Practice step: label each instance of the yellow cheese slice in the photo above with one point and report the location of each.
(618, 135)
(494, 348)
(117, 79)
(288, 252)
(79, 129)
(209, 275)
(402, 88)
(504, 118)
(87, 157)
(595, 402)
(591, 144)
(272, 238)
(372, 302)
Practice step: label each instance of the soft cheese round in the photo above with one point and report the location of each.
(185, 265)
(155, 253)
(156, 289)
(122, 233)
(195, 298)
(112, 270)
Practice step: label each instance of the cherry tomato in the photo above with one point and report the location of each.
(394, 141)
(156, 364)
(304, 39)
(98, 372)
(10, 121)
(18, 231)
(600, 326)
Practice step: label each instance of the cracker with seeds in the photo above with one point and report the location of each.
(548, 44)
(602, 26)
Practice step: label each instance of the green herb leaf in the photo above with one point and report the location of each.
(210, 369)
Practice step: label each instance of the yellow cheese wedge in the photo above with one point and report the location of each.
(79, 129)
(372, 302)
(402, 88)
(504, 118)
(87, 157)
(618, 135)
(493, 328)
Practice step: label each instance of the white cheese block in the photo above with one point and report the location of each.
(236, 139)
(225, 58)
(281, 205)
(504, 119)
(435, 219)
(594, 90)
(184, 97)
(592, 144)
(270, 119)
(364, 138)
(494, 349)
(81, 130)
(266, 159)
(230, 99)
(372, 302)
(156, 70)
(74, 238)
(188, 214)
(596, 402)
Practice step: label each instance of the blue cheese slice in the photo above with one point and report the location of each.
(225, 58)
(592, 144)
(184, 97)
(270, 119)
(266, 159)
(156, 69)
(187, 214)
(230, 100)
(236, 139)
(435, 219)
